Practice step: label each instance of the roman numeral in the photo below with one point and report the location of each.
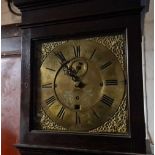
(111, 82)
(61, 113)
(77, 118)
(48, 85)
(50, 69)
(107, 100)
(60, 56)
(76, 51)
(92, 54)
(50, 100)
(104, 66)
(95, 114)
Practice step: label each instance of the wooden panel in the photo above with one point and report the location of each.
(7, 16)
(11, 44)
(11, 41)
(11, 30)
(10, 70)
(37, 150)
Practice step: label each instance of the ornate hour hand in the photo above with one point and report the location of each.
(62, 60)
(73, 74)
(70, 71)
(77, 70)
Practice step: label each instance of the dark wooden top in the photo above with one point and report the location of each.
(110, 4)
(41, 11)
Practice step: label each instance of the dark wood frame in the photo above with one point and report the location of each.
(74, 22)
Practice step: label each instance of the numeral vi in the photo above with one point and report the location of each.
(77, 118)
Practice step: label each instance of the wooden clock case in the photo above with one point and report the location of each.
(63, 19)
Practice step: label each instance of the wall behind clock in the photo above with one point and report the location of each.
(11, 61)
(6, 16)
(10, 86)
(10, 80)
(148, 64)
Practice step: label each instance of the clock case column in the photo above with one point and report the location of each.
(59, 20)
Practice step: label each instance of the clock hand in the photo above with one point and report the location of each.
(71, 72)
(77, 80)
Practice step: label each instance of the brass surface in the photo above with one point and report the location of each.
(118, 123)
(90, 114)
(116, 44)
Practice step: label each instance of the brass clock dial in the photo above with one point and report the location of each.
(82, 85)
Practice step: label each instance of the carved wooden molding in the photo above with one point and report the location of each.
(11, 41)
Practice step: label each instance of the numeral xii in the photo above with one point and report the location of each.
(76, 51)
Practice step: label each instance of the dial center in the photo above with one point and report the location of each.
(85, 92)
(80, 66)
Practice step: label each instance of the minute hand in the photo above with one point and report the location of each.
(72, 73)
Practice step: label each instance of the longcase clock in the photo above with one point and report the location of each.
(82, 87)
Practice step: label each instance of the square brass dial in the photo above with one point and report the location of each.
(82, 85)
